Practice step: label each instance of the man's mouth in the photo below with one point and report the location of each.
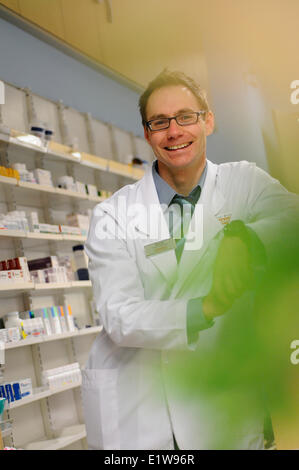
(178, 147)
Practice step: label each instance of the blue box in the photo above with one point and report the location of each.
(9, 393)
(16, 391)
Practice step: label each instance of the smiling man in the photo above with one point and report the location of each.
(164, 300)
(179, 143)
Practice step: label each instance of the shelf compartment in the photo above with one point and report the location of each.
(23, 141)
(41, 236)
(37, 187)
(40, 394)
(12, 233)
(44, 236)
(11, 288)
(93, 161)
(7, 180)
(60, 152)
(46, 339)
(59, 192)
(120, 169)
(65, 437)
(69, 193)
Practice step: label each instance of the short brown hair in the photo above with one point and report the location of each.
(168, 78)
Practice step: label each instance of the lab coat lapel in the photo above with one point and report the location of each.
(203, 226)
(152, 222)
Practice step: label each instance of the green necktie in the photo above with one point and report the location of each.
(187, 206)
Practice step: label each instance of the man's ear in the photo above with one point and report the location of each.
(209, 123)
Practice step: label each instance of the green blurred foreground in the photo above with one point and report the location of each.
(245, 370)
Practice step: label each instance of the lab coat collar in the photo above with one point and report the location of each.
(208, 206)
(152, 223)
(153, 220)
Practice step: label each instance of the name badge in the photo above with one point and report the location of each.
(159, 247)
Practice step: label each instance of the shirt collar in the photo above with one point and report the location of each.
(166, 192)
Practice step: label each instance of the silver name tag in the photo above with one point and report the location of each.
(159, 247)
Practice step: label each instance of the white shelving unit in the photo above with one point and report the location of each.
(53, 419)
(65, 437)
(45, 339)
(39, 395)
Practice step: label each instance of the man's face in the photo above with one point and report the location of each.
(171, 101)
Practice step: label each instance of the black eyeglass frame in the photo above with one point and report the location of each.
(198, 113)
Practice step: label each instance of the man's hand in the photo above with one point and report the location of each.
(232, 277)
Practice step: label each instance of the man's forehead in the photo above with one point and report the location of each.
(170, 100)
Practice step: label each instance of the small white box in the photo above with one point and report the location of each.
(3, 335)
(43, 177)
(4, 276)
(92, 190)
(13, 334)
(68, 229)
(25, 269)
(25, 387)
(80, 187)
(38, 276)
(16, 275)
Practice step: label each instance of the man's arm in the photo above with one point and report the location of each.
(272, 228)
(274, 214)
(128, 318)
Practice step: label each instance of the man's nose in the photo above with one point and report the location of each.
(174, 129)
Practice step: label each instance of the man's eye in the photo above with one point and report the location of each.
(160, 122)
(186, 117)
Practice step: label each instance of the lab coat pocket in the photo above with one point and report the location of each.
(100, 405)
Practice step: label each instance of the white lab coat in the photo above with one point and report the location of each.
(129, 398)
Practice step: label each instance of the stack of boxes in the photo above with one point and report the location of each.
(50, 270)
(14, 220)
(14, 270)
(16, 390)
(62, 376)
(38, 322)
(79, 220)
(9, 172)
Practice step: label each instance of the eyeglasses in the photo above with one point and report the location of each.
(185, 119)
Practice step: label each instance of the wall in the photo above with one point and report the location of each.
(26, 61)
(251, 53)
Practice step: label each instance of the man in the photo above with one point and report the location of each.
(170, 258)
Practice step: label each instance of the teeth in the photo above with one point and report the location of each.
(175, 147)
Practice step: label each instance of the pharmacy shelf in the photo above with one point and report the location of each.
(7, 180)
(46, 339)
(57, 192)
(59, 152)
(11, 288)
(65, 437)
(53, 286)
(15, 287)
(41, 236)
(61, 285)
(36, 187)
(12, 233)
(39, 395)
(44, 236)
(71, 238)
(51, 190)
